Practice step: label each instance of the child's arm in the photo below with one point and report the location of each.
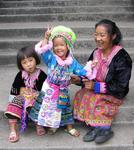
(16, 85)
(88, 71)
(44, 45)
(44, 48)
(75, 79)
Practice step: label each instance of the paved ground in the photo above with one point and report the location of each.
(123, 139)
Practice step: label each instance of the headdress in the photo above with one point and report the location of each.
(67, 34)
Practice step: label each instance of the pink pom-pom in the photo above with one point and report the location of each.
(41, 49)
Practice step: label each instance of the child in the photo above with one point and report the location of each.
(56, 110)
(24, 91)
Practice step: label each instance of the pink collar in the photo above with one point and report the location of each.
(30, 79)
(67, 61)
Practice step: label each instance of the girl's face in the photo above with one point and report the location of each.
(102, 38)
(29, 64)
(60, 47)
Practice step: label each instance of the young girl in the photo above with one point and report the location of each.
(24, 91)
(56, 110)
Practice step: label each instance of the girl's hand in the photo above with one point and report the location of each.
(94, 63)
(46, 36)
(89, 84)
(28, 93)
(48, 33)
(75, 79)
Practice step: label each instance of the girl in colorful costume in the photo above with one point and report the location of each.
(24, 91)
(55, 50)
(98, 101)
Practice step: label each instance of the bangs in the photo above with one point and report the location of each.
(26, 52)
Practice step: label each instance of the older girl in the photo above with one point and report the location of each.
(98, 101)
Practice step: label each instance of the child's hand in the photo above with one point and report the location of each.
(48, 33)
(89, 84)
(28, 93)
(75, 79)
(46, 36)
(94, 63)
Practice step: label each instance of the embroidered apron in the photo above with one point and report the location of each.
(49, 114)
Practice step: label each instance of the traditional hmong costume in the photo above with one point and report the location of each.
(99, 107)
(23, 94)
(56, 109)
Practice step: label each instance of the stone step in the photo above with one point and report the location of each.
(22, 34)
(60, 0)
(31, 32)
(76, 25)
(9, 57)
(82, 55)
(122, 140)
(65, 9)
(84, 43)
(92, 16)
(81, 43)
(42, 3)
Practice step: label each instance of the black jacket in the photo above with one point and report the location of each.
(19, 82)
(119, 74)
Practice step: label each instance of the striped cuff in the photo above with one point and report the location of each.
(100, 87)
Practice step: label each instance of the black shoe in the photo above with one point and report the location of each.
(91, 135)
(103, 135)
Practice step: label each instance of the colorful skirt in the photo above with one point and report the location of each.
(95, 109)
(66, 113)
(19, 104)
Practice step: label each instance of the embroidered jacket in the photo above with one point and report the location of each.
(52, 60)
(116, 82)
(21, 81)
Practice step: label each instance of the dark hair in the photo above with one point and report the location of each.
(26, 52)
(112, 29)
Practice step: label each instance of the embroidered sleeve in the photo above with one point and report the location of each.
(77, 68)
(86, 71)
(17, 84)
(100, 87)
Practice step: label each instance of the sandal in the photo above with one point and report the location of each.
(73, 132)
(51, 131)
(40, 130)
(13, 137)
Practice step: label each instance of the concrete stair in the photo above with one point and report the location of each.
(21, 34)
(23, 22)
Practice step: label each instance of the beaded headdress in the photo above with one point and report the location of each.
(66, 33)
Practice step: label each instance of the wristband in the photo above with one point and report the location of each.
(100, 87)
